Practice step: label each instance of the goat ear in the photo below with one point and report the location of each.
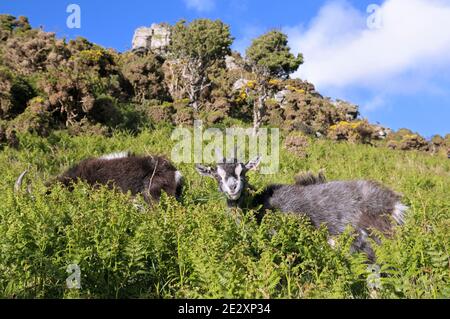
(253, 164)
(204, 170)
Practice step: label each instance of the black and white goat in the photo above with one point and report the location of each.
(146, 175)
(365, 205)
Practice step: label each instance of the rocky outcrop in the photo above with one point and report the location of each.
(155, 38)
(351, 110)
(381, 132)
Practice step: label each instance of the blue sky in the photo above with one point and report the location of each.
(397, 70)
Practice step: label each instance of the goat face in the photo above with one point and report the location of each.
(230, 175)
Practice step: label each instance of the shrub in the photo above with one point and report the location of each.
(8, 137)
(184, 115)
(87, 127)
(354, 132)
(160, 113)
(34, 51)
(405, 139)
(310, 110)
(10, 24)
(216, 111)
(15, 92)
(35, 119)
(78, 88)
(413, 142)
(105, 111)
(437, 140)
(146, 76)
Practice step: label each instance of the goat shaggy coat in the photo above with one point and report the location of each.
(365, 205)
(146, 175)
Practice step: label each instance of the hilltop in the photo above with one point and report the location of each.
(49, 84)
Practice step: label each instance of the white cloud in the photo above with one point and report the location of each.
(411, 48)
(200, 5)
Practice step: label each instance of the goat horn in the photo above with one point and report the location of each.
(19, 181)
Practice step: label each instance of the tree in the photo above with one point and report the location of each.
(9, 24)
(197, 46)
(269, 57)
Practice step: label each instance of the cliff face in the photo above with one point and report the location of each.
(155, 38)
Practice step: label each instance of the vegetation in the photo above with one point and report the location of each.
(270, 57)
(197, 46)
(48, 84)
(197, 248)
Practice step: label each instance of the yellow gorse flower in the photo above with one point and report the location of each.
(274, 82)
(92, 55)
(346, 125)
(38, 99)
(294, 89)
(251, 84)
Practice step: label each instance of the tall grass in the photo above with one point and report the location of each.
(197, 248)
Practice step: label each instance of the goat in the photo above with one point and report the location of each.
(364, 205)
(146, 175)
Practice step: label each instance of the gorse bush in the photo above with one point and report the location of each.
(197, 248)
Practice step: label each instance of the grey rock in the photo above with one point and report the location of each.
(142, 38)
(239, 84)
(280, 96)
(155, 38)
(352, 110)
(381, 132)
(231, 64)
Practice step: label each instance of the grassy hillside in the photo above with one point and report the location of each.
(198, 249)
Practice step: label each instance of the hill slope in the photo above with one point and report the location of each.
(196, 248)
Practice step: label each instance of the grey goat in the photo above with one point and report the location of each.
(365, 205)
